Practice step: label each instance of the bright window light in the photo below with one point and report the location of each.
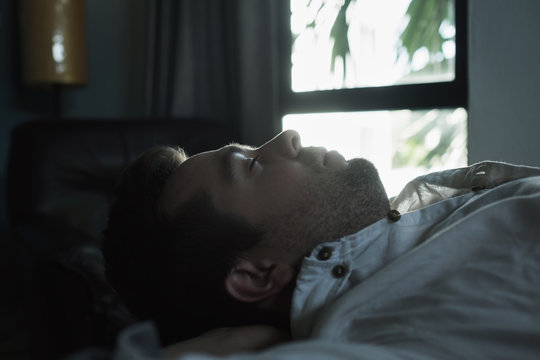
(402, 144)
(362, 43)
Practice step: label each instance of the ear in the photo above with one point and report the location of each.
(253, 282)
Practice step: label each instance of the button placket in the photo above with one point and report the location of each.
(325, 253)
(394, 215)
(339, 271)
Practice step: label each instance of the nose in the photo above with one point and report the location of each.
(286, 144)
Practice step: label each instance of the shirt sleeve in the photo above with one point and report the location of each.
(434, 187)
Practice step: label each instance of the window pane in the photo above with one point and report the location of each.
(363, 43)
(402, 144)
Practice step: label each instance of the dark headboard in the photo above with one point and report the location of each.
(61, 178)
(66, 170)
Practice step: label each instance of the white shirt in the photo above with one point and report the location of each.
(457, 276)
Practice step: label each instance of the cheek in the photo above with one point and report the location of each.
(284, 180)
(271, 194)
(281, 190)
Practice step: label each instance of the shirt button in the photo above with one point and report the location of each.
(394, 215)
(339, 271)
(325, 253)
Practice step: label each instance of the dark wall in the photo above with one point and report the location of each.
(504, 81)
(116, 37)
(9, 114)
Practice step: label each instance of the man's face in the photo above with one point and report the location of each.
(298, 196)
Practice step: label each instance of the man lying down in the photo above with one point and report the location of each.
(292, 252)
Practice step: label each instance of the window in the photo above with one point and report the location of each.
(380, 79)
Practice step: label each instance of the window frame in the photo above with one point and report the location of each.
(450, 94)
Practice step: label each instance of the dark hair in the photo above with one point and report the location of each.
(172, 269)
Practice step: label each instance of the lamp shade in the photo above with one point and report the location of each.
(53, 39)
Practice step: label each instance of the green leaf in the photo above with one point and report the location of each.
(339, 34)
(422, 30)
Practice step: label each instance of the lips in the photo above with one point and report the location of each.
(334, 159)
(318, 156)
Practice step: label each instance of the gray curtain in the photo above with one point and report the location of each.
(215, 59)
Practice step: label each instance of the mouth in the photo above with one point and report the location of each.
(334, 160)
(322, 157)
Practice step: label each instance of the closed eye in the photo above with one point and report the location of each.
(253, 161)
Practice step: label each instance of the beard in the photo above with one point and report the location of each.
(333, 203)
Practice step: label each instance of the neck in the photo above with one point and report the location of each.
(280, 304)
